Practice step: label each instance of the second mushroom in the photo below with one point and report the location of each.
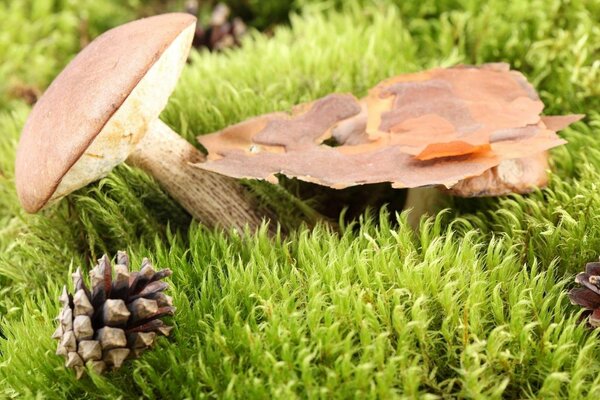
(475, 131)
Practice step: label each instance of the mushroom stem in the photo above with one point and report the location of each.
(214, 200)
(422, 201)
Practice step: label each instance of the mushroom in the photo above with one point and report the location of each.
(103, 109)
(475, 131)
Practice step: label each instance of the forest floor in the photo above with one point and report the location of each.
(472, 306)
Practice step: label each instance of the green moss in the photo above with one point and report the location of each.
(473, 306)
(38, 38)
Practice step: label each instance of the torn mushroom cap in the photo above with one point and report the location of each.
(453, 111)
(519, 175)
(293, 145)
(98, 108)
(246, 151)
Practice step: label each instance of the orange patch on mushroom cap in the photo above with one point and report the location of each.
(450, 149)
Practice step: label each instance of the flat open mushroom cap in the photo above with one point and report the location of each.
(436, 127)
(98, 108)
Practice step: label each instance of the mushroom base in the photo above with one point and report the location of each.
(214, 200)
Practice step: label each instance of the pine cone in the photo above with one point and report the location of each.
(588, 296)
(222, 32)
(118, 319)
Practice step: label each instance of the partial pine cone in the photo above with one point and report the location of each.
(588, 296)
(222, 32)
(118, 319)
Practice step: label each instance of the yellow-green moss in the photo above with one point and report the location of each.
(471, 307)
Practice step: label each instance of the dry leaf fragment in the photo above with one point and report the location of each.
(437, 127)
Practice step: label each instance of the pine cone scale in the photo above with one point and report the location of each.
(115, 312)
(73, 360)
(594, 318)
(161, 312)
(111, 338)
(154, 325)
(90, 350)
(593, 268)
(82, 305)
(120, 285)
(585, 298)
(82, 326)
(589, 281)
(140, 340)
(116, 357)
(151, 288)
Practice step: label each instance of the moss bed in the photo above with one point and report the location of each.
(472, 306)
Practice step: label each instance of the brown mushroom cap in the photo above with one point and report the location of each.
(84, 97)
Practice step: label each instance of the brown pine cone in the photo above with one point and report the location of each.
(588, 296)
(118, 319)
(222, 32)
